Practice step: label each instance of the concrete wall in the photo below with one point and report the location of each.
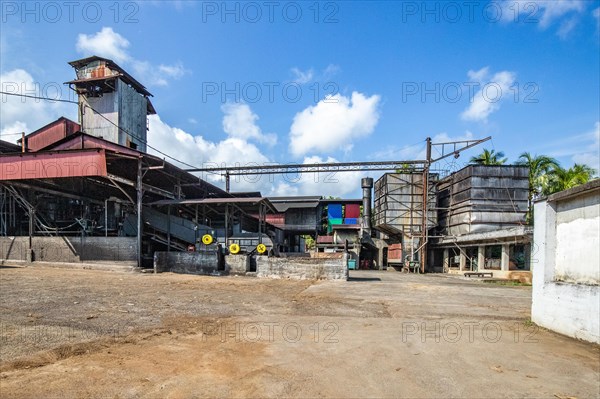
(566, 265)
(302, 268)
(204, 263)
(236, 264)
(70, 249)
(577, 240)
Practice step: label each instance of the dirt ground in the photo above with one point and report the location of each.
(83, 333)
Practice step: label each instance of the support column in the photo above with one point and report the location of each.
(140, 194)
(262, 222)
(504, 266)
(480, 257)
(31, 231)
(462, 265)
(169, 228)
(226, 224)
(445, 260)
(105, 218)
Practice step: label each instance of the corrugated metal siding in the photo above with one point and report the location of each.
(133, 109)
(399, 203)
(94, 124)
(51, 134)
(277, 219)
(483, 198)
(52, 165)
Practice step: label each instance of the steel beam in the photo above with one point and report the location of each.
(307, 168)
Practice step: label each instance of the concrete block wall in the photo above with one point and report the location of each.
(203, 263)
(70, 249)
(236, 264)
(302, 268)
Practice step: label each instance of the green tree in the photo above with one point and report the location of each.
(309, 241)
(564, 179)
(540, 169)
(406, 169)
(489, 157)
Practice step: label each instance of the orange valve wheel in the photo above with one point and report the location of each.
(234, 248)
(207, 239)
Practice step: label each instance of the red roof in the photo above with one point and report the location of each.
(51, 133)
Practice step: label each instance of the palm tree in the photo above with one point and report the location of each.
(489, 157)
(539, 167)
(564, 179)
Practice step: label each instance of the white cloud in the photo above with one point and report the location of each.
(240, 122)
(544, 12)
(479, 76)
(176, 71)
(590, 154)
(12, 132)
(20, 114)
(337, 184)
(232, 151)
(106, 43)
(418, 151)
(333, 123)
(566, 27)
(578, 148)
(491, 91)
(197, 151)
(156, 76)
(331, 70)
(110, 44)
(302, 77)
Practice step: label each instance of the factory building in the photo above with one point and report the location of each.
(88, 191)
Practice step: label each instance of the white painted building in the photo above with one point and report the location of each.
(566, 262)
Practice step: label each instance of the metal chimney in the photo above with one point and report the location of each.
(367, 186)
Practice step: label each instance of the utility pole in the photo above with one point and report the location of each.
(424, 224)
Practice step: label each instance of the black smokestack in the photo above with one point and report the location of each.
(367, 185)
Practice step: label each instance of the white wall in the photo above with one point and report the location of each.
(578, 242)
(566, 266)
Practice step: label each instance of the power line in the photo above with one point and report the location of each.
(39, 97)
(12, 134)
(102, 116)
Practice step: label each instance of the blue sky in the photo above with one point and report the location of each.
(287, 81)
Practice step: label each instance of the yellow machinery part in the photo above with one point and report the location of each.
(261, 248)
(234, 248)
(207, 239)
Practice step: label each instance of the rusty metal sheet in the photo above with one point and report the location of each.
(51, 133)
(51, 165)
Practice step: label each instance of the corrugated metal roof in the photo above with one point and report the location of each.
(51, 133)
(53, 164)
(8, 148)
(78, 64)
